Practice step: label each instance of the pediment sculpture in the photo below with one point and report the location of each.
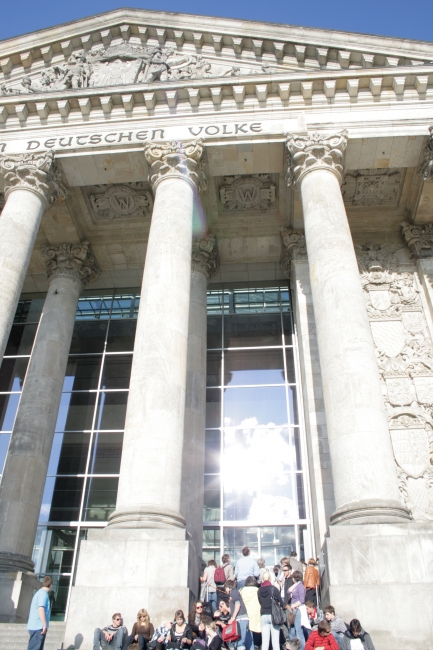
(125, 64)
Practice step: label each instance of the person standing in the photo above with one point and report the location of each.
(208, 580)
(295, 563)
(311, 581)
(39, 616)
(266, 594)
(238, 612)
(246, 567)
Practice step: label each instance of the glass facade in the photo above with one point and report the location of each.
(254, 465)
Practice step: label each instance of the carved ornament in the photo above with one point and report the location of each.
(255, 192)
(120, 202)
(419, 238)
(73, 260)
(205, 258)
(2, 201)
(371, 187)
(36, 172)
(405, 363)
(427, 167)
(312, 152)
(176, 160)
(294, 248)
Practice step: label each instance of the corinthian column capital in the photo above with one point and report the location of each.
(72, 260)
(419, 238)
(313, 152)
(35, 172)
(176, 160)
(294, 248)
(427, 167)
(205, 258)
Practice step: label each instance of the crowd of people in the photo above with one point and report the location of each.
(242, 607)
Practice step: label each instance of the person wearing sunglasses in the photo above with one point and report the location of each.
(111, 636)
(194, 617)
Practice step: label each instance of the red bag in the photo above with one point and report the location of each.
(220, 576)
(231, 632)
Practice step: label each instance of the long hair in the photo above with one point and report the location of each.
(143, 612)
(192, 612)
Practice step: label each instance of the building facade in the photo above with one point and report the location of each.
(216, 315)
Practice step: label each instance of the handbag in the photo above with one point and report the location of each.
(277, 613)
(231, 632)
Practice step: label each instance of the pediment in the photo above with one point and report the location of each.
(128, 47)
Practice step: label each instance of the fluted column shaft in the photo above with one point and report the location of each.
(25, 470)
(150, 474)
(32, 183)
(365, 481)
(204, 264)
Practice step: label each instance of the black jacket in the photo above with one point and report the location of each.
(265, 599)
(187, 634)
(364, 636)
(287, 595)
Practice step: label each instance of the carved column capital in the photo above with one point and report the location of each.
(294, 248)
(35, 172)
(315, 151)
(205, 258)
(176, 160)
(72, 260)
(427, 166)
(419, 238)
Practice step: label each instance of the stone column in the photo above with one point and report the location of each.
(205, 262)
(32, 184)
(70, 267)
(150, 474)
(365, 482)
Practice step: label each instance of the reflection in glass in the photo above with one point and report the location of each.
(60, 590)
(213, 407)
(259, 488)
(212, 452)
(12, 373)
(246, 367)
(252, 331)
(65, 503)
(117, 371)
(211, 537)
(111, 410)
(290, 364)
(288, 329)
(21, 339)
(293, 404)
(296, 437)
(256, 301)
(213, 369)
(252, 406)
(69, 453)
(88, 337)
(100, 498)
(212, 498)
(94, 307)
(277, 542)
(29, 311)
(4, 444)
(106, 453)
(121, 335)
(82, 373)
(214, 332)
(61, 544)
(75, 411)
(301, 495)
(8, 409)
(236, 538)
(125, 305)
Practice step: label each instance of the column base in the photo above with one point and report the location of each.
(123, 570)
(146, 517)
(371, 511)
(15, 562)
(16, 593)
(382, 575)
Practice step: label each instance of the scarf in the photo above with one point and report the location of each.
(266, 583)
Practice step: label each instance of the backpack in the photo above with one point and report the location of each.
(231, 632)
(220, 576)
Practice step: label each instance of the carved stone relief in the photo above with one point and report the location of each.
(205, 257)
(405, 359)
(294, 248)
(118, 202)
(418, 238)
(255, 192)
(2, 201)
(372, 187)
(427, 167)
(127, 64)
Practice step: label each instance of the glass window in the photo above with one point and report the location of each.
(12, 373)
(59, 596)
(125, 305)
(100, 498)
(213, 369)
(255, 406)
(111, 410)
(29, 311)
(301, 495)
(88, 337)
(213, 452)
(66, 500)
(69, 453)
(76, 411)
(117, 371)
(252, 331)
(106, 453)
(277, 542)
(94, 307)
(290, 364)
(214, 332)
(211, 537)
(296, 436)
(213, 408)
(21, 339)
(244, 367)
(288, 329)
(4, 444)
(82, 373)
(61, 544)
(235, 539)
(8, 410)
(212, 498)
(121, 336)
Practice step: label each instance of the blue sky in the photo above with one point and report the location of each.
(412, 19)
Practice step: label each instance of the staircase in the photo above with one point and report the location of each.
(14, 636)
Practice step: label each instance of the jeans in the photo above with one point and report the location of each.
(246, 640)
(37, 640)
(117, 642)
(269, 631)
(240, 584)
(339, 638)
(212, 599)
(295, 631)
(142, 643)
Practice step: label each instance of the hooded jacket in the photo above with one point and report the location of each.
(364, 636)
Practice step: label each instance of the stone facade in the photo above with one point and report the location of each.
(187, 155)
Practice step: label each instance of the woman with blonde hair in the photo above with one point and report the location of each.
(142, 631)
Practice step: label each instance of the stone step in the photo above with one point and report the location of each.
(14, 636)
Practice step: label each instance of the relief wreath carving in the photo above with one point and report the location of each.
(405, 359)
